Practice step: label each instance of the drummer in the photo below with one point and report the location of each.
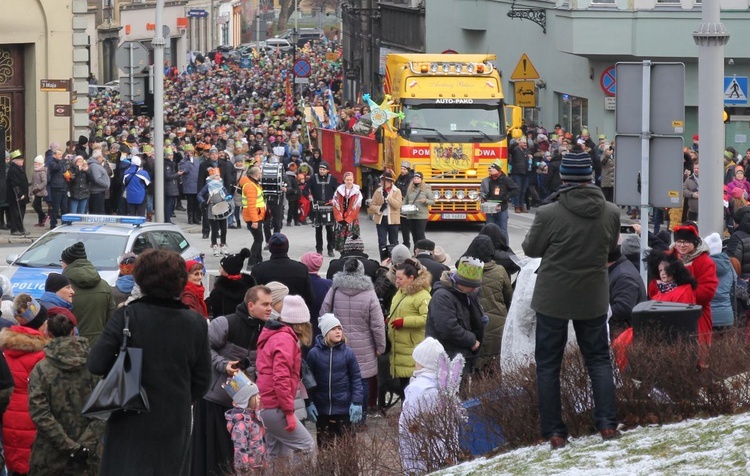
(322, 186)
(499, 188)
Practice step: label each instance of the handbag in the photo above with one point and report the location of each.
(308, 378)
(411, 208)
(121, 389)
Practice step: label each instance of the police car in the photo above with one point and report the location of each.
(106, 238)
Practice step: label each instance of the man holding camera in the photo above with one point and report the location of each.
(233, 340)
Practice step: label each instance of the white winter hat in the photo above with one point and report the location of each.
(327, 322)
(427, 352)
(243, 395)
(713, 241)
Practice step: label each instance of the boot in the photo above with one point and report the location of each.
(149, 216)
(518, 210)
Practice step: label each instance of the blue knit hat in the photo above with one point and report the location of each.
(576, 167)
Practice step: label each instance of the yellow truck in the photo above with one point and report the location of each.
(455, 124)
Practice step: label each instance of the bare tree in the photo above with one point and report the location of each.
(287, 9)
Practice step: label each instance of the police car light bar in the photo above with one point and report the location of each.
(128, 220)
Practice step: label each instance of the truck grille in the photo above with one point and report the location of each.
(453, 206)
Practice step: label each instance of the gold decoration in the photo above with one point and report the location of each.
(6, 66)
(5, 119)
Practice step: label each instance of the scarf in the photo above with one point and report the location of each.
(55, 300)
(198, 291)
(666, 287)
(688, 258)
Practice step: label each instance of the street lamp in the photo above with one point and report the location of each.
(295, 37)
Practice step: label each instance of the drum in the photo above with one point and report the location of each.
(409, 209)
(222, 209)
(272, 178)
(322, 215)
(490, 208)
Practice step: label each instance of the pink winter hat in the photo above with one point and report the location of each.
(313, 261)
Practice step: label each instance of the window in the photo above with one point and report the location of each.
(160, 240)
(102, 250)
(477, 122)
(573, 112)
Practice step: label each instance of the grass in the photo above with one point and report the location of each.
(715, 446)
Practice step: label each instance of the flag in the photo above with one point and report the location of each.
(316, 120)
(289, 103)
(333, 118)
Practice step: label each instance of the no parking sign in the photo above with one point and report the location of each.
(608, 81)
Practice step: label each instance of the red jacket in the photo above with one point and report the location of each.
(278, 366)
(22, 347)
(704, 270)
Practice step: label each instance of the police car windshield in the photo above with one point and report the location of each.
(101, 249)
(457, 122)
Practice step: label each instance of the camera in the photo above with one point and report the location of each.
(626, 229)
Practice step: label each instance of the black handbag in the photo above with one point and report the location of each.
(308, 379)
(121, 389)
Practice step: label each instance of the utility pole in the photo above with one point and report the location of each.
(159, 114)
(711, 36)
(257, 26)
(212, 25)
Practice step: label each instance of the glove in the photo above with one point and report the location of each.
(355, 413)
(312, 413)
(291, 422)
(80, 455)
(397, 323)
(228, 198)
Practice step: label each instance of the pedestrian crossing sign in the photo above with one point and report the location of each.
(735, 90)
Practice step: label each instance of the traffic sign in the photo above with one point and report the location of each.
(301, 80)
(302, 68)
(525, 93)
(139, 86)
(735, 90)
(524, 69)
(197, 13)
(665, 171)
(54, 85)
(131, 57)
(62, 110)
(667, 92)
(608, 81)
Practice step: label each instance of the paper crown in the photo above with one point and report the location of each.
(469, 271)
(236, 383)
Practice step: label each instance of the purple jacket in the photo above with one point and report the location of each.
(356, 305)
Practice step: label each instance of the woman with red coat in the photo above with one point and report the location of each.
(347, 200)
(694, 254)
(23, 347)
(278, 364)
(192, 295)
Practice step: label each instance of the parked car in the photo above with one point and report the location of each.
(280, 44)
(303, 35)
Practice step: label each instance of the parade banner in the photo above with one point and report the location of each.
(347, 151)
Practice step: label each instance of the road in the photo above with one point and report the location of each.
(453, 237)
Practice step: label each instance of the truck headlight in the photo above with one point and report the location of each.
(448, 194)
(460, 195)
(433, 68)
(473, 194)
(436, 194)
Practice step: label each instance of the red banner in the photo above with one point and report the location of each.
(289, 103)
(346, 152)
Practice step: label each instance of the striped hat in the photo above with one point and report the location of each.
(576, 167)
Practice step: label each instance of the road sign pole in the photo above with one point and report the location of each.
(711, 38)
(158, 120)
(645, 179)
(72, 134)
(130, 75)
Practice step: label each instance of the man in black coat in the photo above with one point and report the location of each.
(17, 193)
(322, 186)
(354, 247)
(626, 289)
(424, 249)
(281, 268)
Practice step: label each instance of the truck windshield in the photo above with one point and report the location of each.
(430, 122)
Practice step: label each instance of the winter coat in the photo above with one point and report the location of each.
(518, 160)
(322, 189)
(689, 187)
(501, 189)
(251, 190)
(353, 301)
(320, 287)
(93, 303)
(573, 235)
(683, 293)
(741, 184)
(626, 289)
(436, 269)
(393, 209)
(59, 386)
(210, 194)
(79, 184)
(371, 266)
(171, 185)
(176, 372)
(703, 269)
(608, 169)
(455, 319)
(39, 183)
(18, 185)
(346, 204)
(738, 245)
(337, 375)
(227, 294)
(136, 182)
(22, 347)
(278, 366)
(98, 177)
(414, 196)
(293, 274)
(57, 169)
(495, 296)
(248, 437)
(231, 337)
(722, 309)
(410, 304)
(503, 253)
(189, 167)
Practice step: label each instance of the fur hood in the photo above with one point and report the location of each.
(446, 281)
(423, 281)
(355, 281)
(23, 339)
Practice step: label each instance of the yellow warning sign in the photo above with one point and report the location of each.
(525, 93)
(673, 193)
(524, 69)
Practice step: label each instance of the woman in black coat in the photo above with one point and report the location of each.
(176, 371)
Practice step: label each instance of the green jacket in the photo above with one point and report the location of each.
(495, 299)
(411, 304)
(93, 303)
(414, 197)
(573, 236)
(59, 386)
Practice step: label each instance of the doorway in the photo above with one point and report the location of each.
(12, 96)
